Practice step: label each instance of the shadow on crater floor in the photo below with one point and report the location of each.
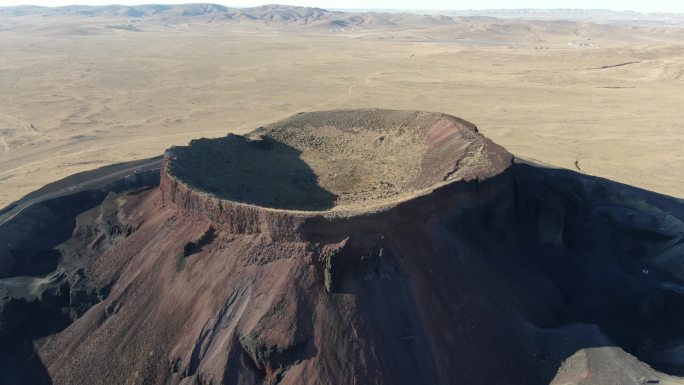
(261, 172)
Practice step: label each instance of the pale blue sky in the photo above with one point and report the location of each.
(642, 5)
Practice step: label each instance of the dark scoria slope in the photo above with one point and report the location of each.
(513, 274)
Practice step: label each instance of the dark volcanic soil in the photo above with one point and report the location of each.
(436, 261)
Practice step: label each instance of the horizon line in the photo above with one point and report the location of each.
(353, 9)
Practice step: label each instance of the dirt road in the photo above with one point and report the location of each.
(79, 182)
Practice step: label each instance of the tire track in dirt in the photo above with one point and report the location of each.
(151, 164)
(22, 123)
(5, 147)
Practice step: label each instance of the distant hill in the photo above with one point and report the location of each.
(576, 15)
(576, 28)
(275, 15)
(266, 13)
(307, 15)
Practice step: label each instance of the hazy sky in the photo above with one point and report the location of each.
(641, 5)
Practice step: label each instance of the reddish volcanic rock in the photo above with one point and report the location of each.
(361, 247)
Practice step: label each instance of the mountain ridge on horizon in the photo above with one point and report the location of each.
(142, 10)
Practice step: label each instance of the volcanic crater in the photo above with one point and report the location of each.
(344, 162)
(345, 247)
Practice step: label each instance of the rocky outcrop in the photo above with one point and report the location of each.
(230, 216)
(44, 282)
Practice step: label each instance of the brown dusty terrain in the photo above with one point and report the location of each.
(425, 255)
(78, 94)
(508, 273)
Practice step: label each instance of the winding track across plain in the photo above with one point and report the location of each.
(99, 178)
(5, 146)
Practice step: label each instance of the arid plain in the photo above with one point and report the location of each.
(80, 92)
